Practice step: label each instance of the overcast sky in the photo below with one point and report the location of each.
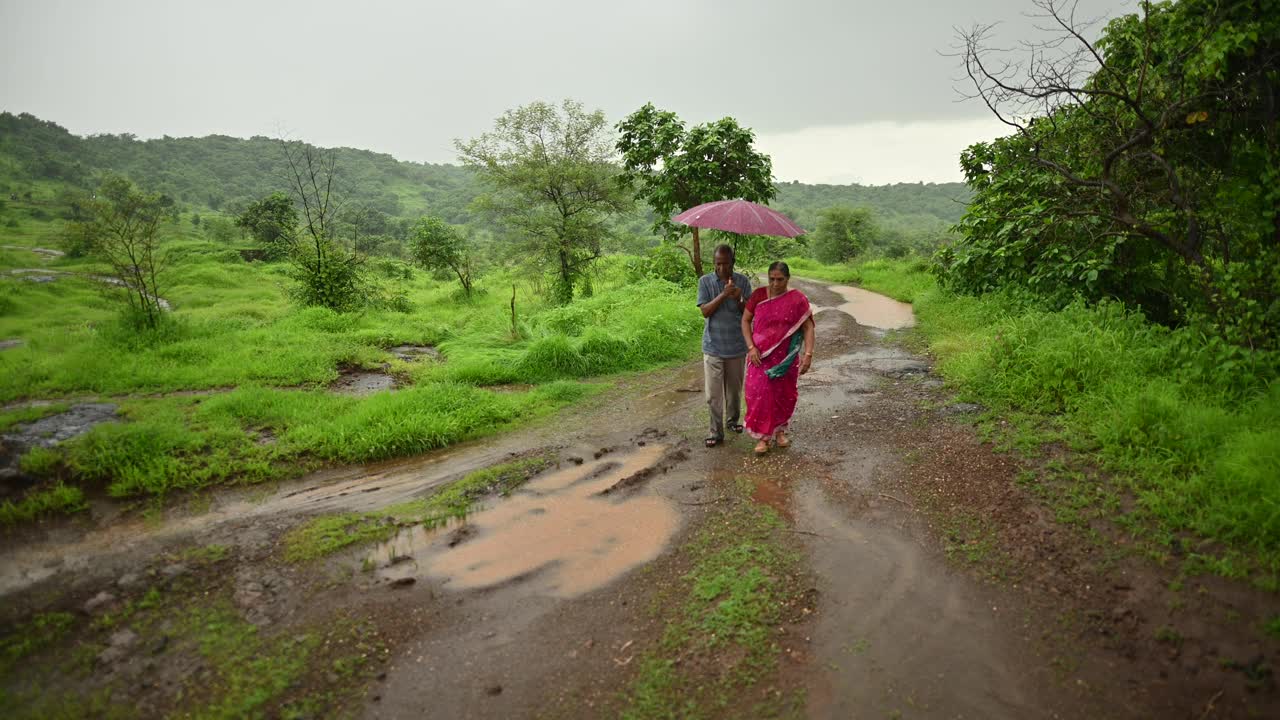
(853, 91)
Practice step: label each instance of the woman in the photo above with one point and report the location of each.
(778, 327)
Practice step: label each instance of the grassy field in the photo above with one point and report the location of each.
(234, 388)
(1186, 425)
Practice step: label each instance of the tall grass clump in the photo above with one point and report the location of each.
(1188, 423)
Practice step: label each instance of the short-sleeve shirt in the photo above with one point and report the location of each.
(722, 336)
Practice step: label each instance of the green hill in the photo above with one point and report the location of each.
(222, 173)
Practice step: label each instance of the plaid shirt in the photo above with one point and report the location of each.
(723, 334)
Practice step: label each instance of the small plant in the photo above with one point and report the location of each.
(40, 462)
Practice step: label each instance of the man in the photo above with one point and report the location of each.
(722, 296)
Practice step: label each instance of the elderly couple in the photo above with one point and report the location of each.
(769, 334)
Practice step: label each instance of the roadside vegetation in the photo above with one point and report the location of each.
(721, 638)
(1184, 424)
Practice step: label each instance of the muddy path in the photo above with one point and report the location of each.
(910, 603)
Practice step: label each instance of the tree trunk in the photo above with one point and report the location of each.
(697, 253)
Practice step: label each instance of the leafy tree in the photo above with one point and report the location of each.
(674, 169)
(273, 222)
(550, 180)
(328, 272)
(843, 233)
(125, 230)
(437, 245)
(1144, 166)
(220, 229)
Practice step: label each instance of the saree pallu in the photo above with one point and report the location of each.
(771, 386)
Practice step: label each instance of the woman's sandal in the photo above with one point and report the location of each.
(762, 448)
(783, 441)
(713, 441)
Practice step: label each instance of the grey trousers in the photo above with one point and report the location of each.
(723, 387)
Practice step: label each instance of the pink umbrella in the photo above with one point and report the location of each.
(739, 216)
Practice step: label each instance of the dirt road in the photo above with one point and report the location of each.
(927, 583)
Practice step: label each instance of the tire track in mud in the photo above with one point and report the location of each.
(897, 631)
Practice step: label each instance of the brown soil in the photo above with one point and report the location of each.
(935, 584)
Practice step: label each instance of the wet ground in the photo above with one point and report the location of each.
(539, 600)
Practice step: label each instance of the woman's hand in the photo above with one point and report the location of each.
(753, 355)
(805, 362)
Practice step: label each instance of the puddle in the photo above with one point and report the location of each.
(47, 432)
(872, 309)
(363, 382)
(560, 535)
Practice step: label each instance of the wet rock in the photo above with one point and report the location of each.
(52, 430)
(258, 594)
(175, 570)
(46, 252)
(120, 643)
(98, 602)
(493, 690)
(412, 353)
(403, 582)
(158, 645)
(931, 383)
(904, 368)
(128, 581)
(962, 409)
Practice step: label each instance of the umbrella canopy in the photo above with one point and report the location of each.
(739, 216)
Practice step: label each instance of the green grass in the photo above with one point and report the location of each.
(17, 416)
(328, 534)
(903, 280)
(248, 670)
(43, 502)
(41, 631)
(265, 364)
(1185, 424)
(721, 620)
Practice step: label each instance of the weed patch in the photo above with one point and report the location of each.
(719, 635)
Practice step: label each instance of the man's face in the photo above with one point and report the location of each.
(724, 264)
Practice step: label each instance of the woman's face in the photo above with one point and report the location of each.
(777, 282)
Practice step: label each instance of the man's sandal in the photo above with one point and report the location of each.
(713, 441)
(736, 428)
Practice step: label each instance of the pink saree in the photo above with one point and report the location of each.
(771, 386)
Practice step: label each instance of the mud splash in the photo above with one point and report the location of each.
(560, 535)
(874, 310)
